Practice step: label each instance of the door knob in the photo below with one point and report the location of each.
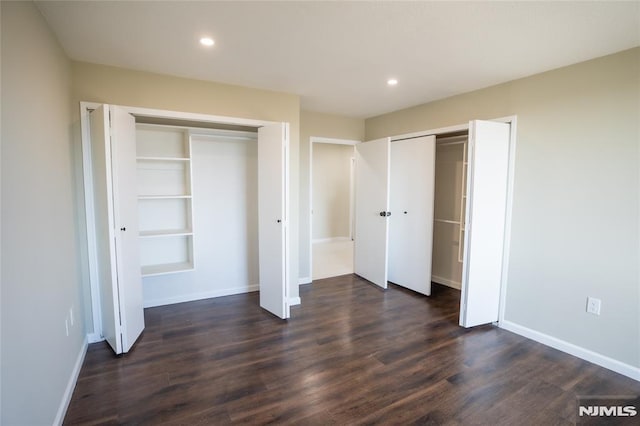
(385, 214)
(123, 229)
(279, 221)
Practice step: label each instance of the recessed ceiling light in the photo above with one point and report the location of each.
(207, 41)
(392, 82)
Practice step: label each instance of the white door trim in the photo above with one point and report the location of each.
(334, 141)
(320, 139)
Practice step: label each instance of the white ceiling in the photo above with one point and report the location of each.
(338, 55)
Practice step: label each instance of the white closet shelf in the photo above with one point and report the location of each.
(162, 197)
(166, 233)
(166, 268)
(163, 159)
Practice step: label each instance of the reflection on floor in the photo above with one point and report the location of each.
(332, 258)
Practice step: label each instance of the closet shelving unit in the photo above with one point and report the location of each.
(463, 202)
(455, 215)
(163, 157)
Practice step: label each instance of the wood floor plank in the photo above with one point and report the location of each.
(350, 354)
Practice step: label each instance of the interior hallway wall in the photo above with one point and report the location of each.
(331, 190)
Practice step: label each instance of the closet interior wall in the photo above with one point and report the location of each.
(198, 196)
(449, 209)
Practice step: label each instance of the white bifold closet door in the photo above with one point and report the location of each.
(113, 155)
(411, 205)
(487, 176)
(372, 207)
(394, 216)
(394, 212)
(272, 218)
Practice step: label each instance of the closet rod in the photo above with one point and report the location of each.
(454, 222)
(450, 143)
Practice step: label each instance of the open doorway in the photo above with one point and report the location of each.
(332, 206)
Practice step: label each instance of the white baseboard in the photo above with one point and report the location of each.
(71, 385)
(199, 296)
(94, 338)
(304, 280)
(446, 281)
(330, 240)
(570, 348)
(293, 301)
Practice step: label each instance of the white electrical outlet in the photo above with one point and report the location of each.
(593, 305)
(71, 316)
(66, 326)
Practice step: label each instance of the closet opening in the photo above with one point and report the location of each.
(435, 207)
(197, 210)
(181, 207)
(449, 209)
(427, 202)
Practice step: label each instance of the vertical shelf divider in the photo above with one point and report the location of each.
(165, 199)
(463, 203)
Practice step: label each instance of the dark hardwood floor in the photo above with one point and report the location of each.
(351, 354)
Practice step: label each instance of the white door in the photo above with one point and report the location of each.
(487, 175)
(123, 153)
(113, 162)
(372, 208)
(411, 204)
(273, 141)
(103, 216)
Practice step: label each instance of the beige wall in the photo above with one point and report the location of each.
(331, 190)
(99, 83)
(575, 229)
(41, 266)
(326, 126)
